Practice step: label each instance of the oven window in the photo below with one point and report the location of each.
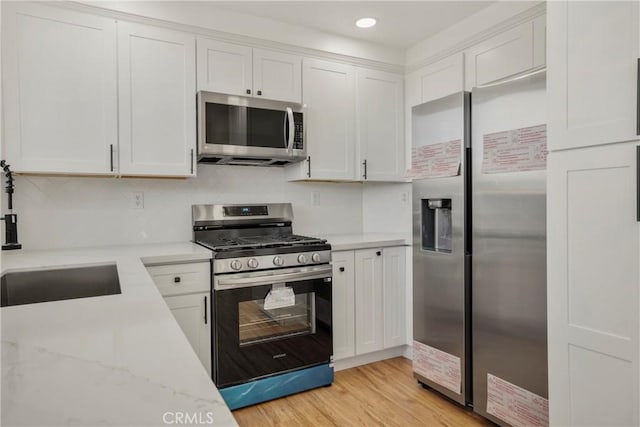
(258, 324)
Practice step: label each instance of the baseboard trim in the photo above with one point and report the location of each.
(376, 356)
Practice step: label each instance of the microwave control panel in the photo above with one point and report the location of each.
(298, 139)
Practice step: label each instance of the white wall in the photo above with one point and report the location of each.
(386, 208)
(209, 16)
(466, 30)
(59, 212)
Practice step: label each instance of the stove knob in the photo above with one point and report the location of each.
(302, 259)
(277, 260)
(315, 257)
(236, 265)
(252, 263)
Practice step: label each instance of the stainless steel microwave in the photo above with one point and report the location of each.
(238, 130)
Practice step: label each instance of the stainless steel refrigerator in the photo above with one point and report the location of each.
(480, 333)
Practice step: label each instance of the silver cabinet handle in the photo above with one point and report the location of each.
(638, 99)
(638, 183)
(192, 161)
(365, 169)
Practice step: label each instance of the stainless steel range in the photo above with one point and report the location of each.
(271, 311)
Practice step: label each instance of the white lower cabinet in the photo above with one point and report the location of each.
(394, 296)
(369, 288)
(369, 305)
(186, 290)
(343, 293)
(192, 314)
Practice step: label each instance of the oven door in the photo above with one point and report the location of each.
(270, 322)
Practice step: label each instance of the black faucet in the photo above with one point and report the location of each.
(10, 219)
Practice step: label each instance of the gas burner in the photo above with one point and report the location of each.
(250, 237)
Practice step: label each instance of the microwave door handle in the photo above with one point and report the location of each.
(291, 130)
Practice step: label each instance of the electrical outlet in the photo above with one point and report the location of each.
(137, 200)
(315, 198)
(404, 197)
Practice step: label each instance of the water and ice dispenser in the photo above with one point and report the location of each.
(436, 225)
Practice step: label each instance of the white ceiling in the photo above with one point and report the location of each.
(401, 24)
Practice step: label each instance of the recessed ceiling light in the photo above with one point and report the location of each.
(366, 22)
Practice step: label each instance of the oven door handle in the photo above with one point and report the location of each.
(259, 279)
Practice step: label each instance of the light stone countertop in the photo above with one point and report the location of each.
(345, 242)
(109, 360)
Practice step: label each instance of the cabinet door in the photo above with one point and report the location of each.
(436, 80)
(593, 71)
(224, 67)
(343, 306)
(593, 297)
(504, 55)
(277, 76)
(369, 306)
(329, 93)
(395, 294)
(157, 101)
(193, 314)
(60, 90)
(381, 136)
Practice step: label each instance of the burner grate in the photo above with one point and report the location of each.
(255, 242)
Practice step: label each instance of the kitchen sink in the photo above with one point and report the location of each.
(29, 287)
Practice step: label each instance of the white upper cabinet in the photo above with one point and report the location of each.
(353, 124)
(539, 41)
(593, 72)
(436, 80)
(380, 125)
(330, 117)
(277, 75)
(242, 70)
(224, 67)
(506, 54)
(157, 102)
(60, 90)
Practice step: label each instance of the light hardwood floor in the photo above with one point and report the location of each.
(380, 394)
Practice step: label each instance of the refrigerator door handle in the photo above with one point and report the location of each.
(513, 78)
(638, 99)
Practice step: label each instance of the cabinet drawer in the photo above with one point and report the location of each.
(177, 279)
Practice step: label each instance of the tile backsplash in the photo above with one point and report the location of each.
(64, 212)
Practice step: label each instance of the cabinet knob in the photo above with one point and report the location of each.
(379, 253)
(176, 279)
(259, 93)
(248, 91)
(341, 269)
